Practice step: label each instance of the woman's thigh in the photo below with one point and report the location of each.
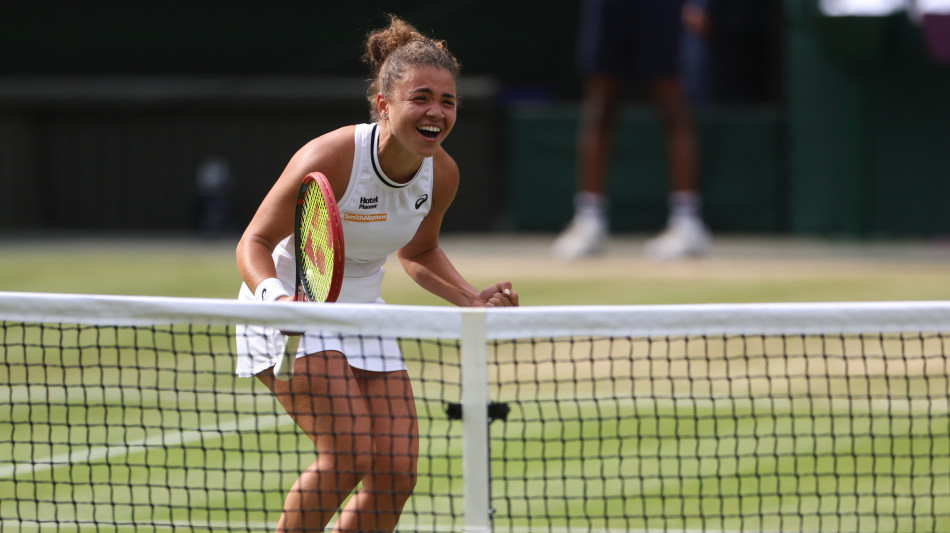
(392, 412)
(325, 399)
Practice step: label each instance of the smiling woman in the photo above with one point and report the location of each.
(393, 183)
(417, 113)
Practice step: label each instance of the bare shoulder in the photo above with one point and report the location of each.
(330, 154)
(445, 168)
(330, 146)
(445, 180)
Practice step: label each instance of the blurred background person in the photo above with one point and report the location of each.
(727, 51)
(621, 41)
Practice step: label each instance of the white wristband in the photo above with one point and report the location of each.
(270, 290)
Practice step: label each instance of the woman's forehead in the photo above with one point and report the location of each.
(427, 77)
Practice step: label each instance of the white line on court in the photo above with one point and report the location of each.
(178, 438)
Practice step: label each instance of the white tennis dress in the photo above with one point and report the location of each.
(379, 216)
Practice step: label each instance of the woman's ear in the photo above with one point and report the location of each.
(382, 106)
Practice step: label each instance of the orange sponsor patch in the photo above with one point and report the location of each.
(358, 217)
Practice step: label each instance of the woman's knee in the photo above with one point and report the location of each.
(348, 454)
(395, 473)
(405, 483)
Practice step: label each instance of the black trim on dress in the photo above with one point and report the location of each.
(373, 157)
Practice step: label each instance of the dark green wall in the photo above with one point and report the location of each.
(868, 116)
(857, 144)
(521, 43)
(854, 142)
(741, 169)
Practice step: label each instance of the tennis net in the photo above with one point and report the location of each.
(121, 413)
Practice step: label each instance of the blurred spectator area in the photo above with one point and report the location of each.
(108, 110)
(120, 153)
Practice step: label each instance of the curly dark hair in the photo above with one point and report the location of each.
(392, 50)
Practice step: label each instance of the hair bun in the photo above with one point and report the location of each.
(382, 43)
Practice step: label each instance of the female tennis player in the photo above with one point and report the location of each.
(393, 182)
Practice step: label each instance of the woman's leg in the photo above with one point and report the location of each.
(378, 503)
(326, 401)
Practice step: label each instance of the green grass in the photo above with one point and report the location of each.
(193, 268)
(174, 438)
(163, 436)
(206, 268)
(723, 467)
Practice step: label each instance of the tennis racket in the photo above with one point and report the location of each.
(318, 254)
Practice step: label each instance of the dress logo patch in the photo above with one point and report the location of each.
(364, 217)
(369, 203)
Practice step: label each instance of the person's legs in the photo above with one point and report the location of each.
(682, 156)
(378, 503)
(599, 110)
(587, 233)
(326, 401)
(685, 233)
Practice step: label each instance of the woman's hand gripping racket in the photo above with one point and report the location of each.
(318, 254)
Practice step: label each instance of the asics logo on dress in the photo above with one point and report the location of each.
(421, 200)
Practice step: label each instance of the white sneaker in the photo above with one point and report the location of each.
(585, 236)
(683, 237)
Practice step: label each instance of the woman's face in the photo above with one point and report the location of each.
(422, 109)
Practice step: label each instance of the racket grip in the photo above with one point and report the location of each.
(284, 369)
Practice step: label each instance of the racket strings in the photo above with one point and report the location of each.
(316, 245)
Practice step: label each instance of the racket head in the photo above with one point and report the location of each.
(318, 240)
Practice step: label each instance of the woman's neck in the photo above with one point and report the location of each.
(398, 164)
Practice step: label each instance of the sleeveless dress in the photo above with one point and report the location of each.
(379, 216)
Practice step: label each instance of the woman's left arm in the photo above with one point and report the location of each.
(426, 262)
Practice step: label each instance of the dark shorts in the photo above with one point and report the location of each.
(629, 38)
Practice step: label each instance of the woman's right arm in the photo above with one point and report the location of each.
(331, 154)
